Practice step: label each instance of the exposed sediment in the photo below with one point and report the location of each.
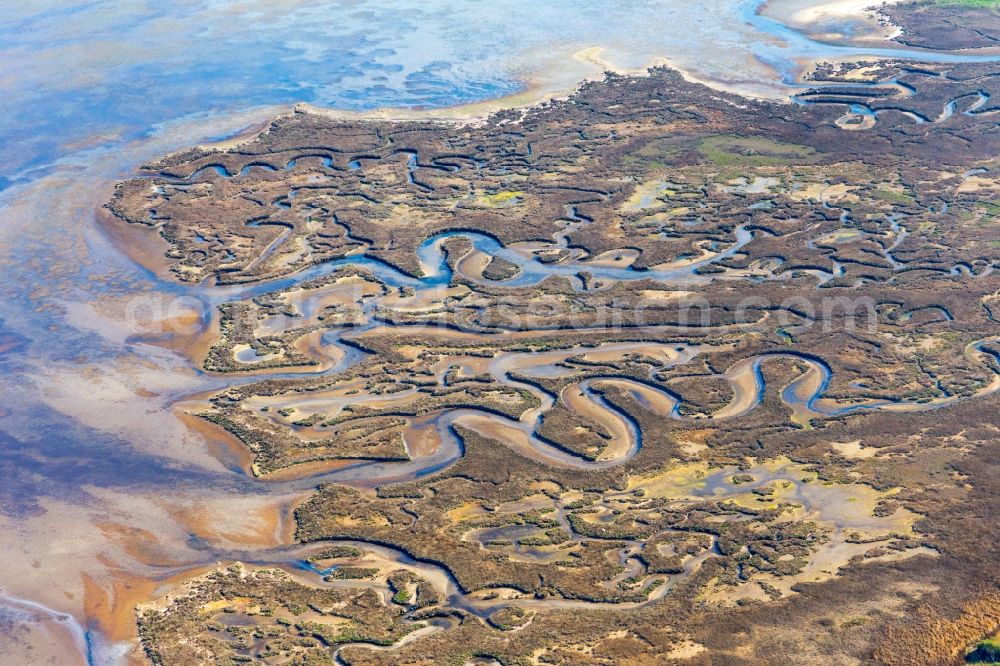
(604, 367)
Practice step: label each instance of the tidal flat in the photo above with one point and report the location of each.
(636, 362)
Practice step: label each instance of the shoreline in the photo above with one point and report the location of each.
(536, 91)
(554, 84)
(561, 78)
(812, 19)
(836, 8)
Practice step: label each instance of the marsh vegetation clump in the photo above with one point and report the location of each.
(655, 374)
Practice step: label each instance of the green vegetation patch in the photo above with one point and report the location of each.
(893, 196)
(753, 151)
(985, 4)
(986, 652)
(504, 198)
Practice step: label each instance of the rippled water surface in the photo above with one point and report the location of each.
(103, 485)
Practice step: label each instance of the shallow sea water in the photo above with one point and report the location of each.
(103, 487)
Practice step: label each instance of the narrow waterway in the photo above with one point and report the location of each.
(107, 489)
